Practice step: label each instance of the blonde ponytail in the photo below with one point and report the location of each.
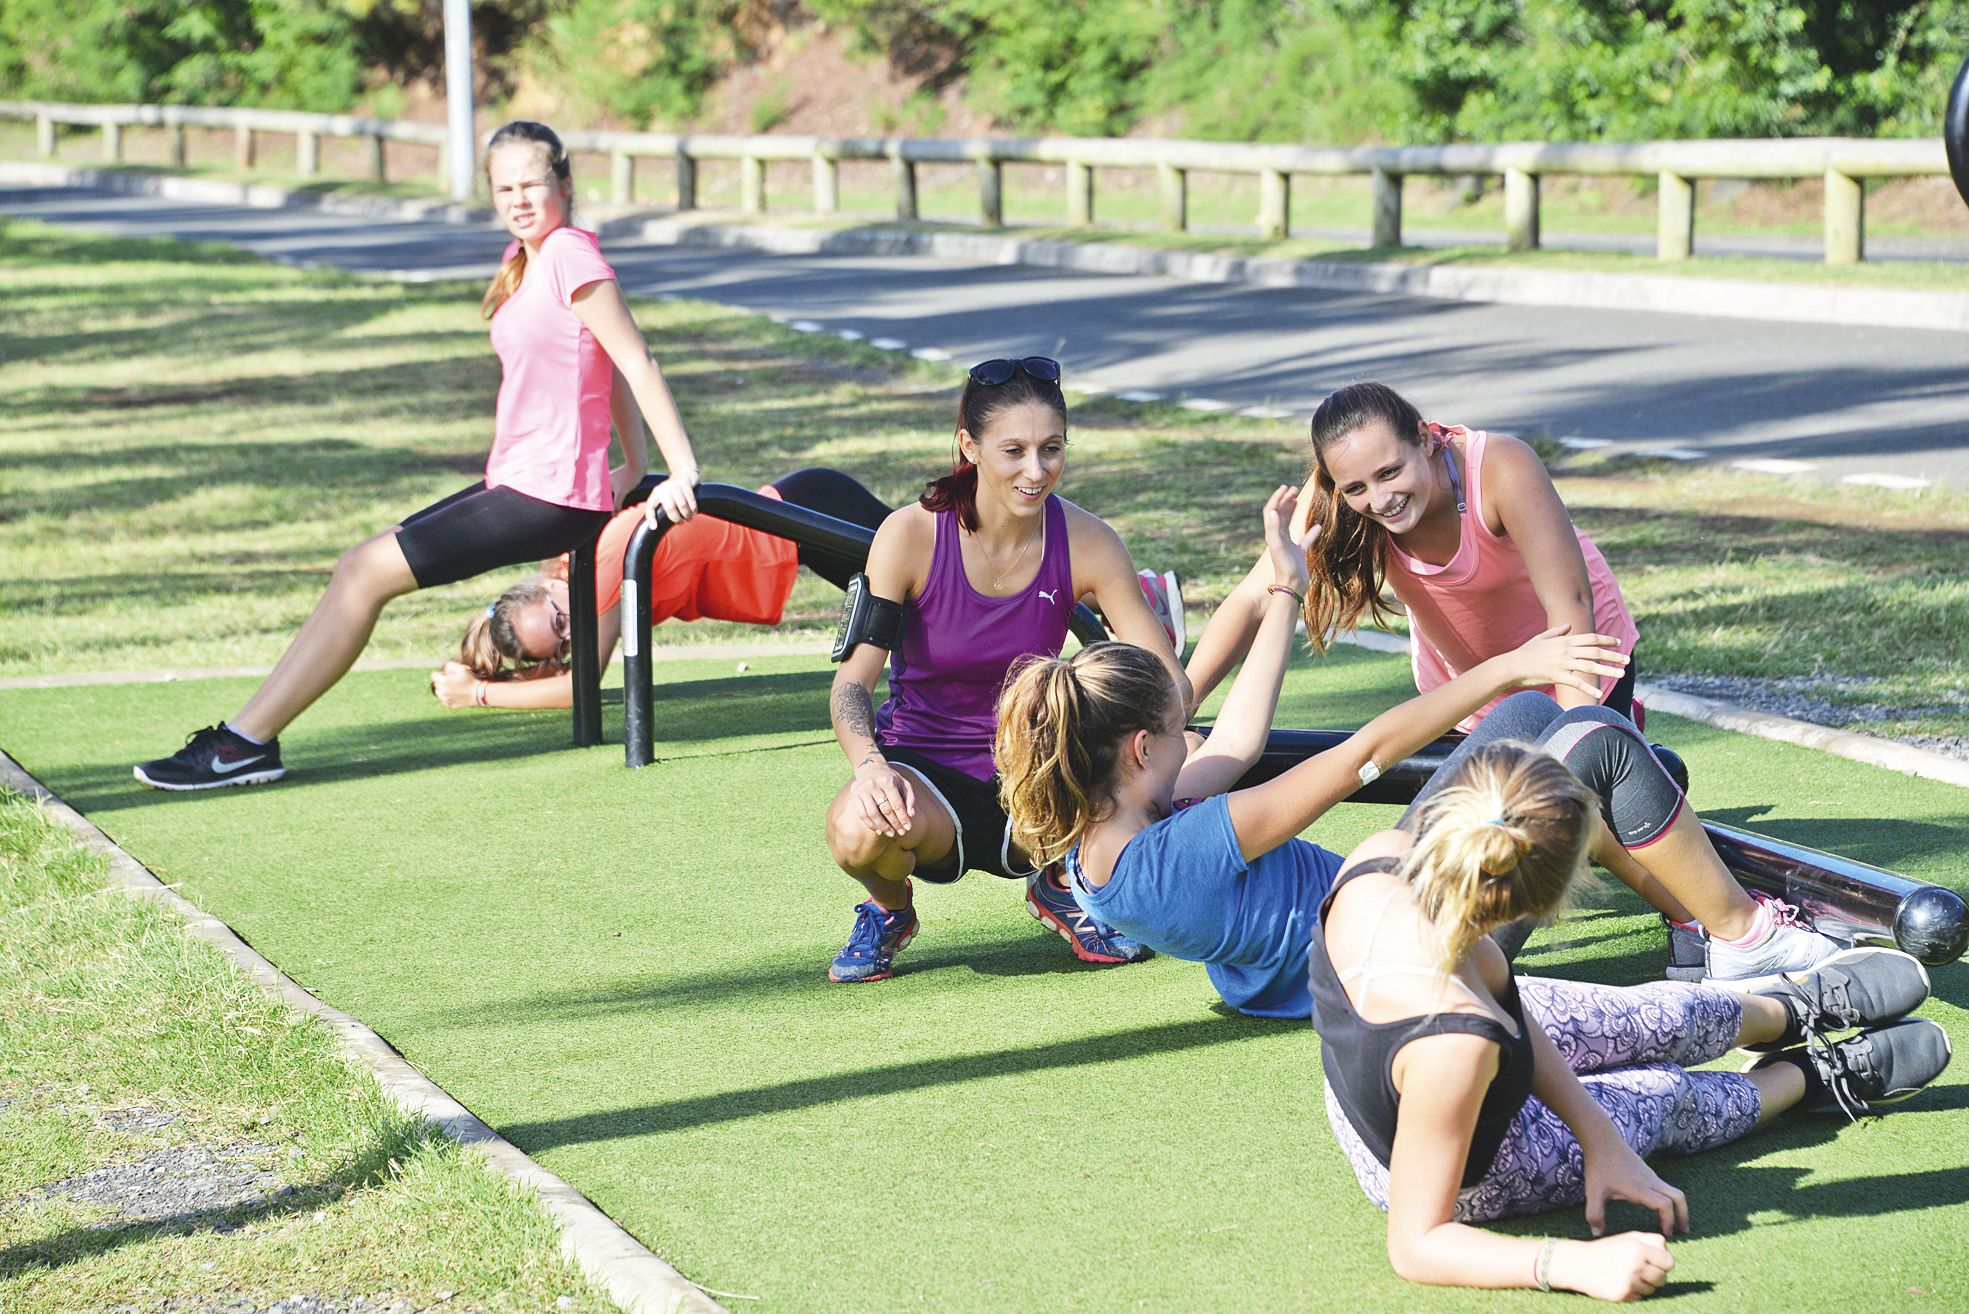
(504, 283)
(1061, 726)
(1503, 840)
(490, 642)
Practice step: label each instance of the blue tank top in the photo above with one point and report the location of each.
(957, 645)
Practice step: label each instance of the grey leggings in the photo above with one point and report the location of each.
(1630, 1046)
(1602, 748)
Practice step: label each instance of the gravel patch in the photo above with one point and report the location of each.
(186, 1184)
(303, 1303)
(125, 1122)
(1804, 698)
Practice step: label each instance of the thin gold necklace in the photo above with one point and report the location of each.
(1017, 561)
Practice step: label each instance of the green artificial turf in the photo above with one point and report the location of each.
(623, 972)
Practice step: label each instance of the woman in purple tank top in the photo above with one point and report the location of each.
(988, 567)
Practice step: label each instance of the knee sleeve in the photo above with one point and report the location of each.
(1603, 748)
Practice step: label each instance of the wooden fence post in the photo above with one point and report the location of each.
(1080, 195)
(1845, 219)
(905, 176)
(1675, 218)
(621, 177)
(44, 136)
(379, 168)
(112, 141)
(307, 154)
(1274, 204)
(827, 185)
(1175, 187)
(179, 150)
(686, 179)
(1387, 208)
(752, 184)
(991, 193)
(1520, 210)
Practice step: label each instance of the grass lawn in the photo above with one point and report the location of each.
(622, 971)
(235, 1157)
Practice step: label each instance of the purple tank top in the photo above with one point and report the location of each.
(957, 644)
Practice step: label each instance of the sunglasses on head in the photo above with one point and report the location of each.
(991, 373)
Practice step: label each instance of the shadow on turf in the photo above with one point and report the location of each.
(883, 1082)
(373, 1165)
(688, 712)
(1882, 841)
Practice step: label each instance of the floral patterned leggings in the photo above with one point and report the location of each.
(1628, 1043)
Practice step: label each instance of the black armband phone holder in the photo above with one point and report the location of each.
(866, 618)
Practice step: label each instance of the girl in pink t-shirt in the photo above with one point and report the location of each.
(573, 365)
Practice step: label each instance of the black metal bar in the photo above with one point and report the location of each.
(583, 659)
(740, 506)
(583, 639)
(1285, 749)
(1846, 899)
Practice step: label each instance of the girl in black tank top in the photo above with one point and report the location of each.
(1460, 1094)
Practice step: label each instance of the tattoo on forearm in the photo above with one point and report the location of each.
(854, 711)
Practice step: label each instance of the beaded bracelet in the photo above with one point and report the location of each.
(1295, 594)
(1541, 1269)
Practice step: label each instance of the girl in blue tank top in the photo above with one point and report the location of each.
(987, 567)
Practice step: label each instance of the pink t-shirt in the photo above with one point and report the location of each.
(1481, 603)
(550, 437)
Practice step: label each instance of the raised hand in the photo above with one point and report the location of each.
(1559, 659)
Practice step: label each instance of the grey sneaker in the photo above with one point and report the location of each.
(1688, 951)
(1881, 1066)
(1788, 946)
(1861, 987)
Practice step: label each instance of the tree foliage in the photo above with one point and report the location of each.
(1305, 70)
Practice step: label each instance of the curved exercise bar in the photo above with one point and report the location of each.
(1849, 900)
(584, 663)
(740, 506)
(1400, 783)
(1955, 131)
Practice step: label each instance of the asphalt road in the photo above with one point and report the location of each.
(1867, 404)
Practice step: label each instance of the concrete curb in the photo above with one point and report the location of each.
(1579, 289)
(1583, 289)
(1874, 751)
(253, 196)
(634, 1278)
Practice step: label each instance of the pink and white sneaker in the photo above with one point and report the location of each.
(1778, 942)
(1165, 599)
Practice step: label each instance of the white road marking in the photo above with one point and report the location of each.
(1870, 480)
(1776, 465)
(804, 326)
(1579, 444)
(1266, 413)
(1674, 453)
(1207, 405)
(889, 344)
(930, 353)
(1138, 395)
(848, 335)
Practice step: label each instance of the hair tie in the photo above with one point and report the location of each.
(491, 609)
(1497, 821)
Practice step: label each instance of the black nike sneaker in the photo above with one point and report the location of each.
(212, 759)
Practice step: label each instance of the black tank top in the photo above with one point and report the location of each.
(1359, 1056)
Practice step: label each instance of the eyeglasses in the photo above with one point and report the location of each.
(562, 630)
(991, 373)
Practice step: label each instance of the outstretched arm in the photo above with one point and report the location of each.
(1239, 735)
(601, 307)
(1532, 516)
(1267, 815)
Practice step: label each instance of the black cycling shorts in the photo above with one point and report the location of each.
(984, 834)
(478, 529)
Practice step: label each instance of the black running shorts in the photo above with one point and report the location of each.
(478, 529)
(984, 835)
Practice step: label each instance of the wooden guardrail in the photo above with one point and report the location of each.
(1846, 165)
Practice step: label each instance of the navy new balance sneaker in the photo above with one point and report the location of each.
(214, 758)
(1092, 940)
(879, 935)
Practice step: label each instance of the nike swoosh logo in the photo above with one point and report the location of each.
(227, 768)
